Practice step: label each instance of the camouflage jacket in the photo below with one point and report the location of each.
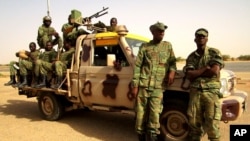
(195, 61)
(34, 55)
(66, 56)
(48, 56)
(45, 31)
(152, 65)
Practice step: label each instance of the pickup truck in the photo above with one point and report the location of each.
(100, 77)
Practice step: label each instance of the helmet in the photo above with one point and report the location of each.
(47, 18)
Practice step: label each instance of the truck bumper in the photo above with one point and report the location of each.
(234, 105)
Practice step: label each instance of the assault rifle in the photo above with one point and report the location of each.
(96, 15)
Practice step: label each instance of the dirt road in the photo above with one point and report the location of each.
(20, 121)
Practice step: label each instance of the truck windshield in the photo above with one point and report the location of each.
(134, 44)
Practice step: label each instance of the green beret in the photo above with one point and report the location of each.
(158, 25)
(201, 31)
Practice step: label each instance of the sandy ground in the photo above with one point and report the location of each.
(20, 120)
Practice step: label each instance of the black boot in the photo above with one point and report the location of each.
(152, 137)
(12, 81)
(142, 137)
(58, 82)
(25, 81)
(43, 83)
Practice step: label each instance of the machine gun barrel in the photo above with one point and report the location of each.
(96, 15)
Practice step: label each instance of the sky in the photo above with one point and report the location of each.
(228, 21)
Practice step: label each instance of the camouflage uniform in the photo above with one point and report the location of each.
(44, 63)
(204, 97)
(65, 60)
(62, 65)
(13, 70)
(65, 29)
(13, 73)
(45, 34)
(26, 65)
(151, 68)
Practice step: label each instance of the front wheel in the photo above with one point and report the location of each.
(174, 122)
(50, 107)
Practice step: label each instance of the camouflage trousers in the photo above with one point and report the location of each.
(13, 70)
(42, 67)
(60, 67)
(44, 39)
(204, 112)
(24, 66)
(148, 109)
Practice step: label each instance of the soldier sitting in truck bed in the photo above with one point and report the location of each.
(44, 64)
(63, 63)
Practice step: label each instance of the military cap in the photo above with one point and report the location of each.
(201, 31)
(158, 25)
(46, 18)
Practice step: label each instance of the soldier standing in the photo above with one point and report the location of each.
(44, 64)
(28, 64)
(155, 68)
(203, 71)
(46, 33)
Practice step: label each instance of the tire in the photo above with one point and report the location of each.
(50, 107)
(174, 121)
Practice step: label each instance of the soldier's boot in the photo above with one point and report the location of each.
(142, 137)
(151, 137)
(36, 82)
(25, 81)
(43, 83)
(12, 81)
(58, 82)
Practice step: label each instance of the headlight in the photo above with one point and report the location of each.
(224, 87)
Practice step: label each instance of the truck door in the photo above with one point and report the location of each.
(107, 76)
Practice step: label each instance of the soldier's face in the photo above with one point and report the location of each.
(158, 34)
(201, 39)
(113, 22)
(48, 46)
(32, 48)
(47, 22)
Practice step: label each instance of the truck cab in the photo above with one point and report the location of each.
(99, 79)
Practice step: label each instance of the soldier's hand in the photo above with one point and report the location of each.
(171, 78)
(135, 91)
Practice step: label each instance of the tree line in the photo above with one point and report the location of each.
(225, 58)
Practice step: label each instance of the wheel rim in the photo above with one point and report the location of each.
(174, 125)
(47, 105)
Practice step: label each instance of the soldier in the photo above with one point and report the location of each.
(203, 71)
(28, 64)
(63, 63)
(14, 72)
(67, 27)
(77, 30)
(113, 24)
(44, 64)
(46, 33)
(155, 68)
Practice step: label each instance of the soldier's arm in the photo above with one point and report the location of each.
(137, 68)
(172, 66)
(41, 31)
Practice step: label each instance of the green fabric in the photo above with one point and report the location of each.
(148, 108)
(195, 61)
(204, 112)
(152, 65)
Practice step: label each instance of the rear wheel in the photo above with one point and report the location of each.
(50, 106)
(174, 121)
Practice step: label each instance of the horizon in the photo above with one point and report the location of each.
(227, 22)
